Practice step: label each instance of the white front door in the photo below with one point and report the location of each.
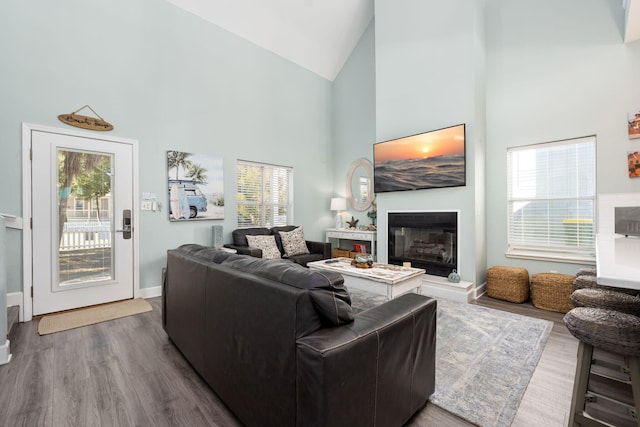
(82, 234)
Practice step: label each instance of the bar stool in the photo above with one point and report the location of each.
(614, 332)
(607, 299)
(586, 271)
(584, 281)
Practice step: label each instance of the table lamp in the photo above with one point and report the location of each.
(338, 204)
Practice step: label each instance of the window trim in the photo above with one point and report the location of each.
(586, 255)
(289, 206)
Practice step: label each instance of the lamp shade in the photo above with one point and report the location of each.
(338, 204)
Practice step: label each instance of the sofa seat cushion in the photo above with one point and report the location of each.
(293, 242)
(329, 296)
(265, 243)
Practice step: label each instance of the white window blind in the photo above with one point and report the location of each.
(265, 195)
(551, 200)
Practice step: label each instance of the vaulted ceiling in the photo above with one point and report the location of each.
(318, 35)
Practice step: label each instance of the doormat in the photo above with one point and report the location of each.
(92, 315)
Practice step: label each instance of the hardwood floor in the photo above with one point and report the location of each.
(126, 372)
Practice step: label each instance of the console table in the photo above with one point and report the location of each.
(352, 234)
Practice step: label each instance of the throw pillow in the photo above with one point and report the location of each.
(267, 244)
(293, 242)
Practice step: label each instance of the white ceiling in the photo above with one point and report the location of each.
(632, 25)
(318, 35)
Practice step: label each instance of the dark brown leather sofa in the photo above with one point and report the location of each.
(317, 250)
(278, 343)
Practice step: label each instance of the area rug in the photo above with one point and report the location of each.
(484, 358)
(89, 316)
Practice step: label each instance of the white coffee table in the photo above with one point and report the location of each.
(383, 279)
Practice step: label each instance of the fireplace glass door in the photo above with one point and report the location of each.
(427, 240)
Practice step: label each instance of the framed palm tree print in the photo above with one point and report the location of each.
(195, 186)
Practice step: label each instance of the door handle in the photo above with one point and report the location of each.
(127, 229)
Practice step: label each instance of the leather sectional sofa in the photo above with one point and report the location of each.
(280, 345)
(317, 250)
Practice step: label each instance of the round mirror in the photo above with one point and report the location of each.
(359, 184)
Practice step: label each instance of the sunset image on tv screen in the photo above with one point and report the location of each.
(427, 160)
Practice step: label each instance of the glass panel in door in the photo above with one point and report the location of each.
(84, 220)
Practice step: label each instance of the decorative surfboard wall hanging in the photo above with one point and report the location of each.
(85, 122)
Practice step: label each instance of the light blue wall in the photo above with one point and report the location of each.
(519, 73)
(429, 75)
(556, 70)
(354, 116)
(160, 75)
(171, 81)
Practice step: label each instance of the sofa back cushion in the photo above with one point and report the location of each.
(204, 253)
(240, 235)
(252, 324)
(326, 288)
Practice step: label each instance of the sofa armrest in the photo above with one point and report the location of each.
(319, 248)
(378, 370)
(245, 250)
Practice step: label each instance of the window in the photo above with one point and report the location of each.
(265, 194)
(551, 200)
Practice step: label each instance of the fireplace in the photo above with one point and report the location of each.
(426, 239)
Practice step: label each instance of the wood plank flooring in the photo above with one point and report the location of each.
(126, 372)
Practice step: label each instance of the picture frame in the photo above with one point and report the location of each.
(432, 159)
(195, 186)
(633, 162)
(633, 121)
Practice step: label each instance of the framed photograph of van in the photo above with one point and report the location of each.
(195, 186)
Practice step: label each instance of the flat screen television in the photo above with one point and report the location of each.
(432, 159)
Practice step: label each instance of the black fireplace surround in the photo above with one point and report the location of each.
(427, 240)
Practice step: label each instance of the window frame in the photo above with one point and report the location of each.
(265, 206)
(568, 253)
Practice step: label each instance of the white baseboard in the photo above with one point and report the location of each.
(481, 290)
(152, 292)
(15, 298)
(440, 287)
(5, 353)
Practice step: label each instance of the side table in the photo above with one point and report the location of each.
(353, 234)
